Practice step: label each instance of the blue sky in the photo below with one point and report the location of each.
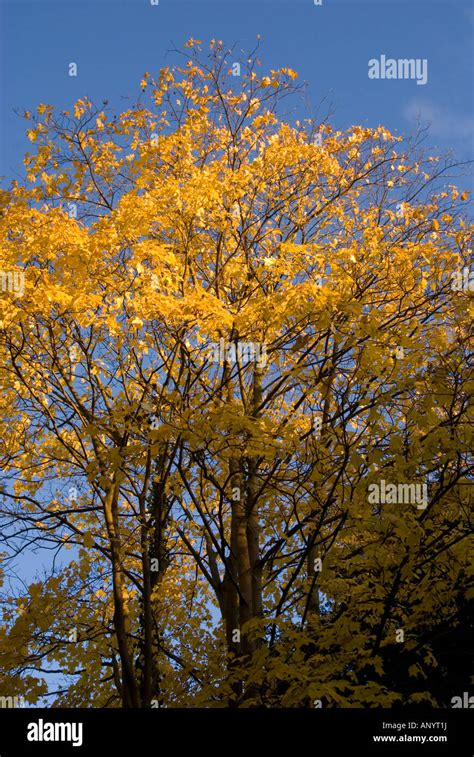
(114, 43)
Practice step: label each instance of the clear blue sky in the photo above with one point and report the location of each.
(114, 43)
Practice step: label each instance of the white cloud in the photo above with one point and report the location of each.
(442, 122)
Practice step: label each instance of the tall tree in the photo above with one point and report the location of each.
(235, 386)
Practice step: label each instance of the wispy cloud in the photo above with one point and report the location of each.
(442, 122)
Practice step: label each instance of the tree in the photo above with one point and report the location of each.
(236, 387)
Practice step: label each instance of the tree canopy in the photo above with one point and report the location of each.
(236, 388)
